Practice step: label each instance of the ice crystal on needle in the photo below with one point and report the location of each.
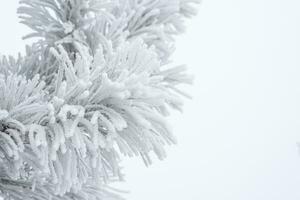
(96, 86)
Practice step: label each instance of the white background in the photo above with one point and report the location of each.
(238, 136)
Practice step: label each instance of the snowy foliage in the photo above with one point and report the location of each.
(96, 86)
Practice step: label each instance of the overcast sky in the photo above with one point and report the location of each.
(238, 136)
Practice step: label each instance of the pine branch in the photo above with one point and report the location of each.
(93, 88)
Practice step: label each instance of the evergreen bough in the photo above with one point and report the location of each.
(95, 86)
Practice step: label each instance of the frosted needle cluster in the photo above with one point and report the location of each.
(95, 86)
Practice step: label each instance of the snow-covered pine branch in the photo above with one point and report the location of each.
(93, 88)
(91, 21)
